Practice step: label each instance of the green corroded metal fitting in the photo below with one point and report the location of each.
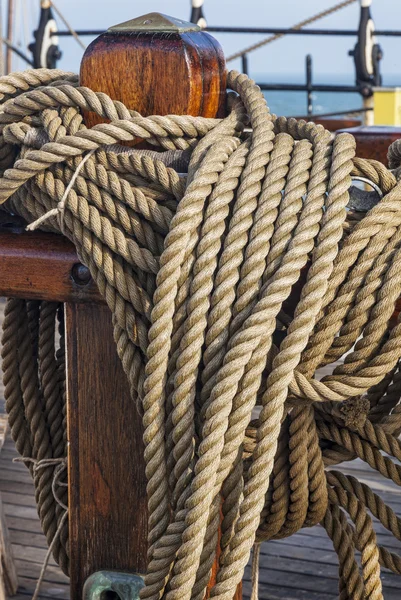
(113, 585)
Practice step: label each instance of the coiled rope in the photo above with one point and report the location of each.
(229, 287)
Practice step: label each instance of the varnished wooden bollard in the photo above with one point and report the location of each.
(155, 65)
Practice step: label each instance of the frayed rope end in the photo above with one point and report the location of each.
(59, 210)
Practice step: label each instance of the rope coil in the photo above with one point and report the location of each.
(229, 288)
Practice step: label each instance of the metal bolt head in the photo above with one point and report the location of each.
(80, 274)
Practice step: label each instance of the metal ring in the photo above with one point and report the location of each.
(366, 180)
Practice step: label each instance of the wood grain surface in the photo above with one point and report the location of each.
(157, 74)
(40, 266)
(107, 485)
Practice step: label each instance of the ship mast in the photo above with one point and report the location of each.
(1, 45)
(10, 26)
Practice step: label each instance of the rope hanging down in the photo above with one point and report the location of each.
(229, 287)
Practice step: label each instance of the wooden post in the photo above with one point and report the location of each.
(107, 485)
(154, 73)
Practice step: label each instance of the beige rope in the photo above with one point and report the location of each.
(255, 572)
(229, 287)
(61, 205)
(61, 465)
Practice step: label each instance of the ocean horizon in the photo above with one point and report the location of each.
(285, 103)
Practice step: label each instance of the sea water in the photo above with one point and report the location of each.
(295, 103)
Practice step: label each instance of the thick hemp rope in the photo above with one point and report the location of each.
(234, 270)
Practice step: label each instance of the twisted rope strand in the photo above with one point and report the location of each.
(229, 286)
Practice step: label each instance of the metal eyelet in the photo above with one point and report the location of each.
(363, 200)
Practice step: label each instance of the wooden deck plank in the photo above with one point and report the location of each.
(47, 590)
(303, 567)
(322, 543)
(280, 592)
(319, 572)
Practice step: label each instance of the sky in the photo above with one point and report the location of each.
(278, 61)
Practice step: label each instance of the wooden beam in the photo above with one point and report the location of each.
(42, 266)
(107, 485)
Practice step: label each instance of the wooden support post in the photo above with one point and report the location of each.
(176, 68)
(107, 486)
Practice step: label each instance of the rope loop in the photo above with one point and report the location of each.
(255, 315)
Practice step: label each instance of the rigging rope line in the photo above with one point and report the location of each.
(69, 27)
(300, 25)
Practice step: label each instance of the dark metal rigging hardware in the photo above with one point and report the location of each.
(45, 48)
(261, 30)
(301, 87)
(245, 67)
(367, 54)
(197, 15)
(309, 85)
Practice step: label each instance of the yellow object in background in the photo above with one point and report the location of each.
(387, 106)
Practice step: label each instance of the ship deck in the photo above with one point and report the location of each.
(28, 542)
(303, 567)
